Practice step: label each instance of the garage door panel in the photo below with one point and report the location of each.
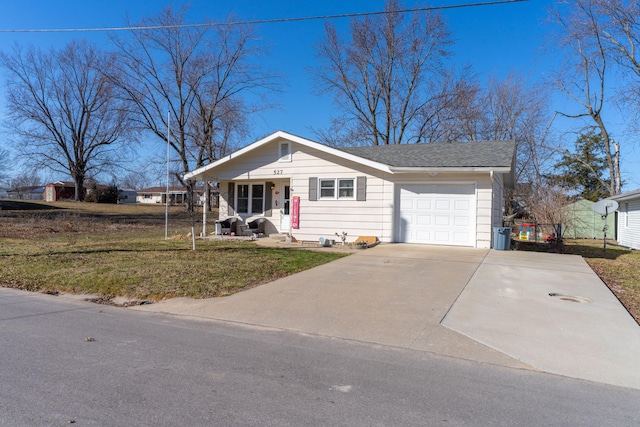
(424, 235)
(423, 220)
(406, 204)
(461, 205)
(423, 204)
(437, 214)
(443, 220)
(461, 221)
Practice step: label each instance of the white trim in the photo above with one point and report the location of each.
(336, 188)
(200, 172)
(626, 196)
(320, 196)
(443, 169)
(286, 157)
(250, 197)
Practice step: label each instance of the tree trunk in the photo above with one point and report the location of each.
(79, 184)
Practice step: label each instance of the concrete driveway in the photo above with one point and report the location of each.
(488, 306)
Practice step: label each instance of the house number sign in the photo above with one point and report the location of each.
(277, 171)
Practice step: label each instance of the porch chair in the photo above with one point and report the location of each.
(256, 226)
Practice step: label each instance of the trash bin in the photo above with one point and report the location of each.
(218, 228)
(501, 238)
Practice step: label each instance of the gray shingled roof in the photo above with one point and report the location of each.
(456, 154)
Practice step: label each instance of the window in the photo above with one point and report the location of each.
(285, 152)
(257, 198)
(345, 188)
(327, 188)
(243, 199)
(250, 198)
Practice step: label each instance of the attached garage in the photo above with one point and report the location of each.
(443, 194)
(441, 214)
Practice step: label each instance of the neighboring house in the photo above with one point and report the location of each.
(127, 196)
(583, 223)
(177, 195)
(447, 194)
(33, 192)
(628, 218)
(60, 190)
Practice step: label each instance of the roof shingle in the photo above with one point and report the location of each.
(456, 154)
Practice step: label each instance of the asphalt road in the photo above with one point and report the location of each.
(68, 362)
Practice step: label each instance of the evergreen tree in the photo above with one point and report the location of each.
(584, 170)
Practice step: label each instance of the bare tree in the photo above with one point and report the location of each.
(200, 75)
(518, 111)
(619, 27)
(388, 78)
(63, 110)
(5, 160)
(587, 68)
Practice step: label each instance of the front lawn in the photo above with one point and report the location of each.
(618, 267)
(121, 250)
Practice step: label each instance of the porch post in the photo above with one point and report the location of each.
(205, 208)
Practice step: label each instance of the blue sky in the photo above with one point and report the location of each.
(494, 39)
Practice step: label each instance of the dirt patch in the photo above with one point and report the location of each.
(116, 301)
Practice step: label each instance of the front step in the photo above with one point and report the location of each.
(278, 237)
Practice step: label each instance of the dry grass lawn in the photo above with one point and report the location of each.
(120, 250)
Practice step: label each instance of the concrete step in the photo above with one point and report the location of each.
(278, 237)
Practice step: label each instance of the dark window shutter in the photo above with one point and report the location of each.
(230, 199)
(267, 198)
(313, 189)
(361, 188)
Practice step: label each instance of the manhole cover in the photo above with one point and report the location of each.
(571, 298)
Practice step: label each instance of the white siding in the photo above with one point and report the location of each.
(321, 218)
(629, 223)
(498, 200)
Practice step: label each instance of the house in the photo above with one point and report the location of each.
(127, 196)
(446, 194)
(61, 190)
(628, 218)
(582, 222)
(177, 195)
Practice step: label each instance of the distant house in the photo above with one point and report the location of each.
(629, 219)
(177, 195)
(583, 223)
(32, 192)
(59, 190)
(127, 196)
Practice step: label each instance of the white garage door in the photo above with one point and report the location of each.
(437, 214)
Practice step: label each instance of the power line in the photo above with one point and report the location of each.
(263, 21)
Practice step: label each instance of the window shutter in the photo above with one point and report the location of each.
(230, 200)
(313, 189)
(361, 188)
(267, 198)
